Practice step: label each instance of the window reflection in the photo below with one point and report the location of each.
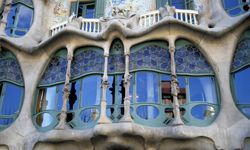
(202, 89)
(10, 101)
(19, 19)
(242, 86)
(147, 87)
(115, 97)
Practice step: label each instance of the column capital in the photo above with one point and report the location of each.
(171, 49)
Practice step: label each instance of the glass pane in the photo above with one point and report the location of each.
(11, 19)
(47, 99)
(12, 96)
(242, 86)
(147, 87)
(166, 89)
(231, 3)
(89, 115)
(235, 12)
(182, 87)
(44, 119)
(24, 17)
(74, 95)
(90, 11)
(121, 90)
(6, 121)
(19, 33)
(111, 90)
(246, 111)
(60, 97)
(147, 112)
(91, 91)
(202, 89)
(203, 112)
(179, 4)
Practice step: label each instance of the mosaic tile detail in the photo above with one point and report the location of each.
(150, 57)
(10, 69)
(242, 54)
(56, 70)
(116, 60)
(87, 60)
(190, 60)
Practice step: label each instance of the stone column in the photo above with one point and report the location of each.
(5, 16)
(127, 76)
(66, 91)
(103, 117)
(174, 88)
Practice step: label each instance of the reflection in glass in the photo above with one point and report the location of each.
(6, 121)
(147, 87)
(47, 99)
(166, 90)
(12, 96)
(203, 112)
(246, 111)
(147, 112)
(91, 92)
(44, 119)
(242, 86)
(202, 89)
(89, 115)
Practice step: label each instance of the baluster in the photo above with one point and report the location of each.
(186, 19)
(181, 16)
(190, 18)
(195, 21)
(154, 19)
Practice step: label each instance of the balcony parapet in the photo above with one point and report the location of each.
(133, 21)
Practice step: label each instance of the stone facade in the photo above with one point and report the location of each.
(216, 36)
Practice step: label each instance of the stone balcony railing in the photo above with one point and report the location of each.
(145, 20)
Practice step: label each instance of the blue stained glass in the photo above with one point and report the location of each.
(116, 62)
(56, 70)
(150, 56)
(242, 55)
(190, 60)
(10, 69)
(87, 60)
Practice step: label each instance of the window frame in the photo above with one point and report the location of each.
(14, 27)
(240, 6)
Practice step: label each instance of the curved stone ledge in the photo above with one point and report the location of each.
(28, 44)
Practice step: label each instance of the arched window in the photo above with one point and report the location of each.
(49, 97)
(20, 18)
(11, 89)
(179, 4)
(151, 83)
(236, 7)
(198, 94)
(116, 91)
(85, 90)
(240, 73)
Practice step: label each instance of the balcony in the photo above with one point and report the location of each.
(146, 20)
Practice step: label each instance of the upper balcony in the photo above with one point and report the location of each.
(136, 21)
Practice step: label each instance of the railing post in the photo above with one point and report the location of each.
(127, 77)
(195, 20)
(66, 91)
(174, 87)
(103, 117)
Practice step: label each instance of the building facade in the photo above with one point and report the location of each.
(124, 74)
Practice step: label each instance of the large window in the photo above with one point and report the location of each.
(236, 7)
(240, 71)
(151, 89)
(178, 4)
(49, 97)
(83, 104)
(116, 92)
(20, 18)
(11, 89)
